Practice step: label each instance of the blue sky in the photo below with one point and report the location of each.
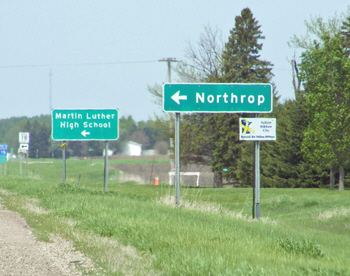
(103, 54)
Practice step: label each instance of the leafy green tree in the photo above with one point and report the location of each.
(283, 163)
(77, 148)
(34, 138)
(38, 127)
(325, 72)
(95, 148)
(196, 143)
(345, 35)
(11, 134)
(39, 139)
(27, 126)
(317, 30)
(45, 134)
(127, 126)
(153, 131)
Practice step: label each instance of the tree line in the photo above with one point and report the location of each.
(313, 141)
(147, 133)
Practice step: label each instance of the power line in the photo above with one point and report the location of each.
(76, 64)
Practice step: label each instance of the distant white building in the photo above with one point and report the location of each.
(109, 153)
(10, 156)
(132, 149)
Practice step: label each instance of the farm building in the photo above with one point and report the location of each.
(109, 153)
(132, 149)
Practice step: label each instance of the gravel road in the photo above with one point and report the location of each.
(22, 254)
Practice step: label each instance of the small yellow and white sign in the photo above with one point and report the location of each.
(257, 129)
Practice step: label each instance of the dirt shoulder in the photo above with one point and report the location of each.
(22, 254)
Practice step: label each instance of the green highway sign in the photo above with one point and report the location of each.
(85, 124)
(218, 97)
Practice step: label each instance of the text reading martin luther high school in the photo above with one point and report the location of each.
(86, 119)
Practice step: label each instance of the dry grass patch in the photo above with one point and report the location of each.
(342, 212)
(126, 260)
(31, 205)
(6, 192)
(210, 208)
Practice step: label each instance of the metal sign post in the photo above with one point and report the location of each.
(257, 178)
(63, 146)
(27, 153)
(253, 184)
(37, 164)
(105, 186)
(177, 158)
(20, 162)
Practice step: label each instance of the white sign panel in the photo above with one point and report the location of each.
(22, 150)
(257, 129)
(23, 137)
(24, 147)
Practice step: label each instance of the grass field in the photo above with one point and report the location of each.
(137, 230)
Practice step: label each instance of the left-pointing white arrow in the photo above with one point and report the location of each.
(84, 133)
(176, 97)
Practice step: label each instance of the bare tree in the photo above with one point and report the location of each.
(205, 60)
(205, 57)
(161, 147)
(156, 91)
(141, 138)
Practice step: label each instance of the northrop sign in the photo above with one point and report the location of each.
(218, 98)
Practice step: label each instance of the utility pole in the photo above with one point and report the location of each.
(177, 139)
(169, 61)
(50, 76)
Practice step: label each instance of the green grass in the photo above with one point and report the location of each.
(138, 161)
(90, 170)
(137, 230)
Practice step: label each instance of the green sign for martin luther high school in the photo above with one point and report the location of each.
(85, 124)
(218, 97)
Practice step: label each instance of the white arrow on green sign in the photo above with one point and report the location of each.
(85, 124)
(218, 97)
